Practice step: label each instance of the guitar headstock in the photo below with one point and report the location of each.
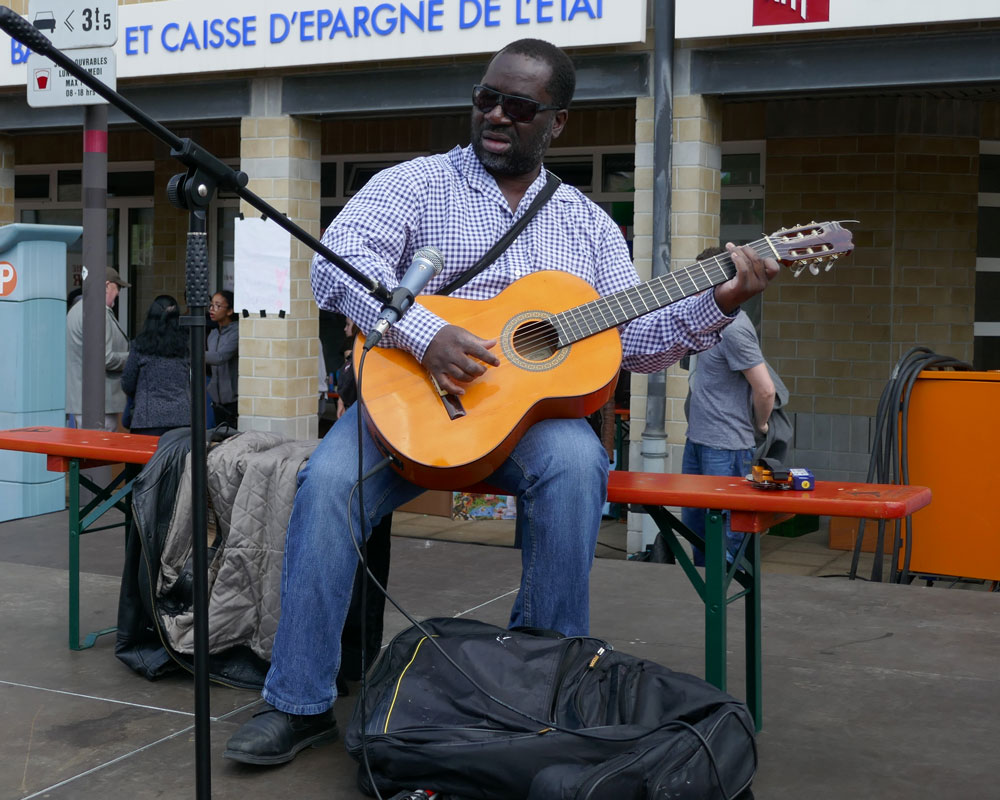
(811, 245)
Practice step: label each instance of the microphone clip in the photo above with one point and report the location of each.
(400, 300)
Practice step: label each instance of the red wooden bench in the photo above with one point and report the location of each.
(70, 450)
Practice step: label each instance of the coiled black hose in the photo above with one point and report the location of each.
(889, 461)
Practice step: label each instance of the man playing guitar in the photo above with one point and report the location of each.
(462, 202)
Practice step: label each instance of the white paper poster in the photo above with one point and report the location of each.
(263, 267)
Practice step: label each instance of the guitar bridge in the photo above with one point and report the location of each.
(452, 402)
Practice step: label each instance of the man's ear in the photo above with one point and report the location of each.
(559, 122)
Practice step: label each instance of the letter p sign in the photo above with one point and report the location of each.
(8, 278)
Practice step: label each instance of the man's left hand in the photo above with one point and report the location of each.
(753, 273)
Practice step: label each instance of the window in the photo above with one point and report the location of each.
(358, 173)
(52, 194)
(31, 187)
(130, 183)
(986, 329)
(342, 177)
(741, 214)
(742, 204)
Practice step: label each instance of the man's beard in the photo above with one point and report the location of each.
(523, 156)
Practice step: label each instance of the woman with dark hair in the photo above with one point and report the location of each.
(157, 374)
(222, 355)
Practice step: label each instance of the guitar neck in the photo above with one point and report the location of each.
(616, 309)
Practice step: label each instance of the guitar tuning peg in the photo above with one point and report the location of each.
(797, 271)
(829, 265)
(814, 268)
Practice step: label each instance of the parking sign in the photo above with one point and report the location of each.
(70, 24)
(50, 85)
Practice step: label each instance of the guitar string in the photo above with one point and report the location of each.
(576, 317)
(577, 327)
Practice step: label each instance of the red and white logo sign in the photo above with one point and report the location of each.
(8, 278)
(43, 79)
(790, 12)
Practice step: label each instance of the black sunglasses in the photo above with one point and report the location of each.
(515, 107)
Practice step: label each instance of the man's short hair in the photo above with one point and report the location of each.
(562, 83)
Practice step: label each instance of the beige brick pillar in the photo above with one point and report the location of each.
(694, 225)
(642, 257)
(6, 180)
(278, 357)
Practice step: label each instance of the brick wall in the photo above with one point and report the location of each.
(694, 203)
(834, 337)
(694, 225)
(278, 357)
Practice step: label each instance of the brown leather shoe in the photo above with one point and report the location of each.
(275, 737)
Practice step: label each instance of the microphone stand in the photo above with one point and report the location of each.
(191, 191)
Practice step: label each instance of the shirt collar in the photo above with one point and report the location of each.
(482, 181)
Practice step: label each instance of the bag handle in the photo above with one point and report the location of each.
(491, 255)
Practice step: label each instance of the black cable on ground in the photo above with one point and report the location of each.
(889, 462)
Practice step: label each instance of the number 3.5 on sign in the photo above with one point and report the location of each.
(74, 24)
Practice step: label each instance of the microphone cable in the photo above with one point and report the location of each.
(361, 547)
(366, 573)
(889, 462)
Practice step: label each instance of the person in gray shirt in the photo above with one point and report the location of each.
(731, 398)
(115, 356)
(222, 356)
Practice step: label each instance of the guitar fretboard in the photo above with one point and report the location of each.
(616, 309)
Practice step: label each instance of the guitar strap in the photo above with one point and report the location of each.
(491, 255)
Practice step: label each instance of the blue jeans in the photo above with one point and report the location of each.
(700, 459)
(559, 473)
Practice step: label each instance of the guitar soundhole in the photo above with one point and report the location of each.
(529, 341)
(536, 341)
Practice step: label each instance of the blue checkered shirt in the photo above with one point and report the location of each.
(452, 203)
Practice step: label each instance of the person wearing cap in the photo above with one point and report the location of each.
(115, 356)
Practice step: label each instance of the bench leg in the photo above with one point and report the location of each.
(80, 522)
(715, 599)
(755, 690)
(74, 554)
(713, 590)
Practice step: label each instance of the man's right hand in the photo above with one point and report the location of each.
(455, 357)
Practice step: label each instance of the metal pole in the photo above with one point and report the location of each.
(95, 260)
(197, 295)
(654, 436)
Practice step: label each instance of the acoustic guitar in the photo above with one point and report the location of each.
(559, 352)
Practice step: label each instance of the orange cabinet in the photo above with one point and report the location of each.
(954, 448)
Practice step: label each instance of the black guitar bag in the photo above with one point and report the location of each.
(568, 718)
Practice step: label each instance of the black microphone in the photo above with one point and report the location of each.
(17, 27)
(427, 262)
